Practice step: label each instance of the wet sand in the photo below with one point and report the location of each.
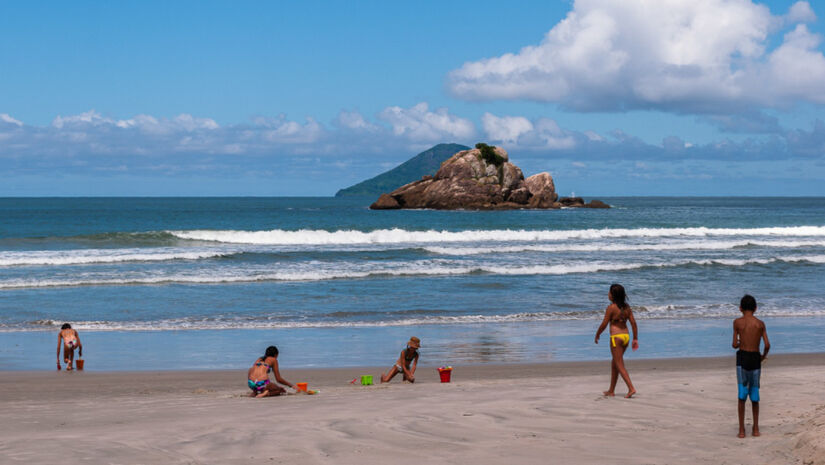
(685, 412)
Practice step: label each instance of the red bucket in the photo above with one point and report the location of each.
(445, 375)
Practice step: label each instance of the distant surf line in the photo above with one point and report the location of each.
(113, 256)
(395, 236)
(401, 270)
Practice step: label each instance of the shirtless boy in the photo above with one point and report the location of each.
(406, 363)
(748, 331)
(70, 341)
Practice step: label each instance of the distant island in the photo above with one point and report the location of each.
(425, 163)
(478, 179)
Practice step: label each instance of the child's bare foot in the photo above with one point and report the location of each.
(741, 434)
(630, 394)
(755, 432)
(608, 393)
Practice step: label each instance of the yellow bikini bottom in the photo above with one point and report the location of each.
(623, 337)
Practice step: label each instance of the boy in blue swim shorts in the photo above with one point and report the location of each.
(748, 332)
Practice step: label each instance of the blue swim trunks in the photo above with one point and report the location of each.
(748, 369)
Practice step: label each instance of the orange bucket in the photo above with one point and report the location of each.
(301, 386)
(445, 375)
(79, 363)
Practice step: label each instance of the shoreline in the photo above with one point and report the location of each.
(14, 383)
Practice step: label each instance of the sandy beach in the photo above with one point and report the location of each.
(685, 412)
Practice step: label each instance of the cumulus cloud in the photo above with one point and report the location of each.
(505, 129)
(354, 120)
(801, 12)
(419, 123)
(186, 143)
(8, 120)
(90, 143)
(705, 56)
(520, 133)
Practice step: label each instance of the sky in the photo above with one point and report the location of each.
(638, 97)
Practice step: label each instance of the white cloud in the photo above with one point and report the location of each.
(6, 118)
(517, 132)
(420, 124)
(801, 12)
(284, 131)
(354, 120)
(506, 129)
(706, 56)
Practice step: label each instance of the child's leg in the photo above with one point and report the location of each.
(69, 356)
(271, 389)
(614, 378)
(741, 418)
(755, 406)
(387, 377)
(618, 358)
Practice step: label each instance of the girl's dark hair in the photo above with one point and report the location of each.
(271, 351)
(66, 326)
(619, 298)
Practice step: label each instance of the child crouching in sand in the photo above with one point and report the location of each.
(258, 375)
(70, 341)
(748, 332)
(406, 363)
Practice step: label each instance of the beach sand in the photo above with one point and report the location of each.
(684, 413)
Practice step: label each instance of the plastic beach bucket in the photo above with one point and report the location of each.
(445, 375)
(79, 363)
(366, 380)
(301, 386)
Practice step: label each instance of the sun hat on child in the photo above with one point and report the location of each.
(415, 343)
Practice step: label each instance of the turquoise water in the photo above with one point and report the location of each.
(209, 282)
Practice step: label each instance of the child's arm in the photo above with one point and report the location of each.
(736, 338)
(632, 319)
(59, 340)
(278, 377)
(402, 362)
(602, 326)
(414, 364)
(79, 344)
(767, 342)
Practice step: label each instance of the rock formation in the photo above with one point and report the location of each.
(479, 179)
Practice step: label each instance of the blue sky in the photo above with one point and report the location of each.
(670, 97)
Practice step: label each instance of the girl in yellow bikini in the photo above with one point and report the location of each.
(617, 314)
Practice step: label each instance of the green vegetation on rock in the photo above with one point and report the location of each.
(425, 163)
(489, 155)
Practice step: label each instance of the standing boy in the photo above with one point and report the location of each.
(747, 333)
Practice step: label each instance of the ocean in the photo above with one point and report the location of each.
(199, 283)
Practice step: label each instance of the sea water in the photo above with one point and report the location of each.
(170, 283)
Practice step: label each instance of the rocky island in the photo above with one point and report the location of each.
(480, 179)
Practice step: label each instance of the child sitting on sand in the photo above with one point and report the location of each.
(258, 375)
(403, 365)
(70, 341)
(748, 331)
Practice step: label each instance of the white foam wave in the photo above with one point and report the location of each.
(89, 256)
(605, 247)
(397, 236)
(433, 268)
(224, 323)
